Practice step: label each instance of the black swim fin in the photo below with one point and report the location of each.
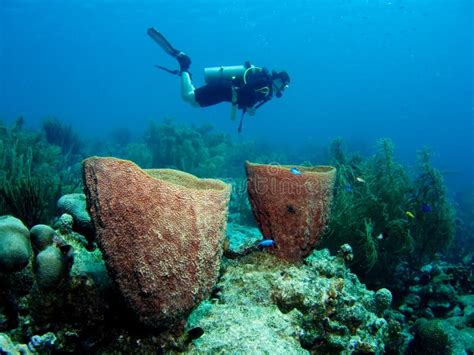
(162, 42)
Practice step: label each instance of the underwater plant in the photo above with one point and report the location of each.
(200, 150)
(121, 136)
(196, 151)
(63, 136)
(434, 227)
(139, 154)
(386, 216)
(462, 243)
(32, 176)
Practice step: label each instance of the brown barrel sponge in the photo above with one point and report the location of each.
(161, 233)
(291, 208)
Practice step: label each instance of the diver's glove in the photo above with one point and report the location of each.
(184, 62)
(250, 111)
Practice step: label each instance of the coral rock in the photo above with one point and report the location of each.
(290, 208)
(15, 247)
(161, 233)
(75, 205)
(383, 300)
(41, 236)
(6, 345)
(51, 268)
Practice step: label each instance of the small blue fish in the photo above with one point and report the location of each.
(348, 188)
(295, 171)
(266, 243)
(426, 208)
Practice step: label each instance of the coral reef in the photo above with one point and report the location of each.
(264, 305)
(53, 296)
(431, 337)
(440, 307)
(388, 223)
(241, 239)
(261, 303)
(291, 209)
(436, 290)
(164, 232)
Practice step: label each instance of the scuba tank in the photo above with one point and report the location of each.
(228, 72)
(241, 73)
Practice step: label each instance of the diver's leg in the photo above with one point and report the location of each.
(187, 89)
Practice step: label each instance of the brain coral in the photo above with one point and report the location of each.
(41, 236)
(15, 247)
(75, 205)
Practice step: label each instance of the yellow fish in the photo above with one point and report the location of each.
(409, 214)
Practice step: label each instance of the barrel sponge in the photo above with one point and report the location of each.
(161, 233)
(51, 268)
(41, 236)
(15, 247)
(292, 209)
(75, 205)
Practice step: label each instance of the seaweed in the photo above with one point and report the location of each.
(372, 198)
(199, 150)
(33, 175)
(63, 136)
(434, 227)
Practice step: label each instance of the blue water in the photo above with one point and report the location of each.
(360, 69)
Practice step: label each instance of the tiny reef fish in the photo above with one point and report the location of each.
(410, 214)
(426, 208)
(266, 243)
(295, 171)
(360, 180)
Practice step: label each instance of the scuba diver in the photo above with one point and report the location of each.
(246, 87)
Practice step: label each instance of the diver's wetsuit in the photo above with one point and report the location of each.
(248, 94)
